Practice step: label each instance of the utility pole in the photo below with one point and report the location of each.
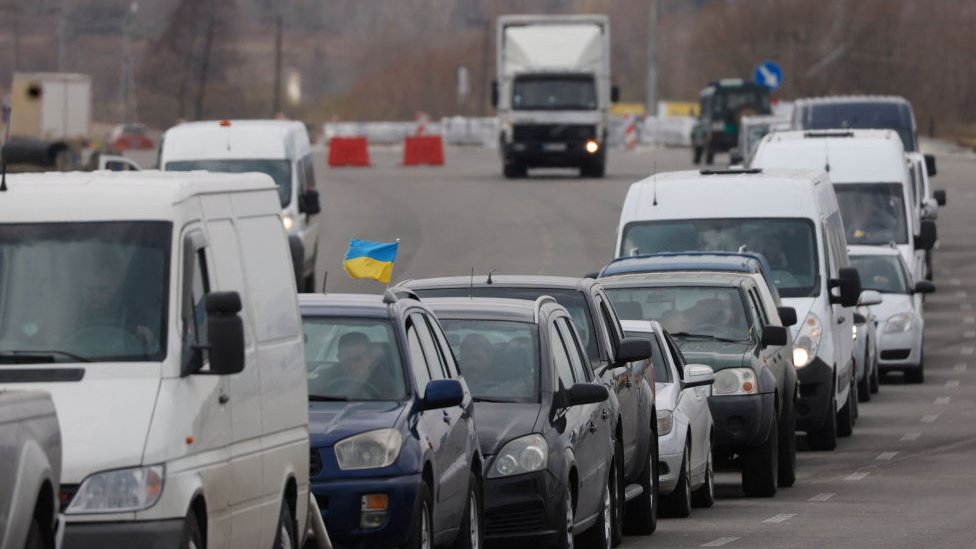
(127, 78)
(205, 64)
(62, 15)
(652, 59)
(276, 102)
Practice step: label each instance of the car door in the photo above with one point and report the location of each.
(693, 403)
(841, 320)
(625, 380)
(774, 357)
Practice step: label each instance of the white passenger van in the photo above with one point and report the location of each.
(159, 312)
(870, 175)
(791, 217)
(279, 148)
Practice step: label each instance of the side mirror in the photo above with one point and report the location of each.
(614, 94)
(309, 202)
(849, 282)
(586, 393)
(225, 333)
(925, 239)
(859, 318)
(775, 336)
(787, 315)
(924, 287)
(631, 349)
(494, 93)
(870, 297)
(930, 165)
(697, 375)
(443, 393)
(940, 197)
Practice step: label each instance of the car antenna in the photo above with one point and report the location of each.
(489, 276)
(3, 177)
(826, 156)
(325, 280)
(654, 182)
(471, 287)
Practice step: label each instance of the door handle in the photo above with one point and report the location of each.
(605, 414)
(446, 417)
(591, 427)
(841, 320)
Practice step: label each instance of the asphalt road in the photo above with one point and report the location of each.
(906, 477)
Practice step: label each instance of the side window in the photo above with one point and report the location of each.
(757, 305)
(560, 359)
(195, 316)
(434, 362)
(445, 352)
(576, 355)
(611, 320)
(679, 358)
(418, 363)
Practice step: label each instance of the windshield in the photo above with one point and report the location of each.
(352, 359)
(84, 291)
(554, 93)
(686, 311)
(740, 101)
(499, 360)
(279, 170)
(877, 116)
(788, 244)
(882, 273)
(660, 363)
(573, 300)
(873, 213)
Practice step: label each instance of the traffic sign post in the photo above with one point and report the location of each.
(769, 74)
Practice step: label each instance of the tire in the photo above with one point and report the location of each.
(696, 156)
(916, 375)
(565, 539)
(595, 169)
(760, 466)
(875, 379)
(704, 495)
(599, 535)
(514, 170)
(618, 496)
(422, 534)
(825, 438)
(678, 503)
(787, 451)
(36, 538)
(864, 386)
(845, 417)
(640, 518)
(192, 538)
(286, 537)
(472, 532)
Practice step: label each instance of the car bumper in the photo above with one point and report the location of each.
(156, 534)
(816, 386)
(557, 154)
(900, 351)
(741, 420)
(340, 502)
(523, 506)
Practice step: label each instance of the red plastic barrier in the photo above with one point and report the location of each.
(348, 151)
(423, 149)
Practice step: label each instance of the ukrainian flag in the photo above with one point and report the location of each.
(366, 259)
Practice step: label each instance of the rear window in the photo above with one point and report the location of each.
(279, 170)
(863, 115)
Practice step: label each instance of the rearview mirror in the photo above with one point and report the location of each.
(930, 165)
(925, 239)
(633, 348)
(924, 287)
(697, 375)
(308, 203)
(775, 336)
(940, 197)
(787, 315)
(870, 297)
(443, 393)
(586, 393)
(849, 282)
(225, 333)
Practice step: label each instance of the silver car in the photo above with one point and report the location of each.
(684, 423)
(899, 319)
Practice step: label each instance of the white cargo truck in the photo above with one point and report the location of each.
(553, 92)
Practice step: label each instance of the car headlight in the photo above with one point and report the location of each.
(522, 455)
(288, 221)
(735, 381)
(665, 422)
(369, 450)
(122, 490)
(807, 341)
(901, 322)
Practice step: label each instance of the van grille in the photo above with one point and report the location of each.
(553, 132)
(510, 521)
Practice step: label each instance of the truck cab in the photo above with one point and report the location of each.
(723, 105)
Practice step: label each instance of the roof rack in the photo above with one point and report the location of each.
(392, 295)
(730, 171)
(829, 133)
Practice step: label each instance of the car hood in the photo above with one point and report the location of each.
(329, 422)
(498, 423)
(716, 354)
(892, 304)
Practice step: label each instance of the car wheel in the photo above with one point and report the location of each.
(787, 451)
(760, 466)
(191, 538)
(35, 537)
(678, 502)
(565, 539)
(825, 438)
(845, 417)
(599, 535)
(875, 379)
(286, 537)
(471, 534)
(514, 169)
(864, 386)
(704, 495)
(641, 512)
(422, 536)
(594, 169)
(618, 497)
(916, 375)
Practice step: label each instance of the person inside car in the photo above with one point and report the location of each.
(103, 308)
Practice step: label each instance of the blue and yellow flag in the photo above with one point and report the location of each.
(366, 259)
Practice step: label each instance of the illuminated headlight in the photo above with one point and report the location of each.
(122, 490)
(665, 422)
(592, 146)
(369, 450)
(854, 331)
(522, 455)
(735, 381)
(288, 221)
(807, 341)
(901, 322)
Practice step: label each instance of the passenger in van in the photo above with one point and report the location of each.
(869, 219)
(103, 307)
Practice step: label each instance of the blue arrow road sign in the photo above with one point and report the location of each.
(769, 74)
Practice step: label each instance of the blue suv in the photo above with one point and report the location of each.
(395, 458)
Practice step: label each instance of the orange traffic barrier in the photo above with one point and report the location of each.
(348, 151)
(423, 149)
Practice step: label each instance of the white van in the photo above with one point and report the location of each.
(791, 217)
(279, 148)
(870, 175)
(159, 312)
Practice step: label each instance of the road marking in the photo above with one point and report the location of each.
(721, 541)
(966, 306)
(955, 282)
(857, 476)
(952, 384)
(969, 320)
(780, 518)
(966, 350)
(887, 456)
(961, 293)
(910, 437)
(942, 401)
(823, 497)
(960, 367)
(971, 334)
(930, 418)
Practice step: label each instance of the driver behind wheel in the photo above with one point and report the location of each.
(103, 305)
(359, 358)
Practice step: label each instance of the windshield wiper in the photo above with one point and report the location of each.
(34, 356)
(327, 398)
(500, 400)
(707, 336)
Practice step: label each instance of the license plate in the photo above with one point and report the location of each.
(554, 147)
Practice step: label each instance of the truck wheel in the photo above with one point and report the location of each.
(514, 169)
(35, 537)
(825, 438)
(760, 466)
(192, 538)
(594, 169)
(696, 155)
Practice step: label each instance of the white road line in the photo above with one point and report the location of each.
(930, 418)
(910, 437)
(857, 476)
(780, 518)
(823, 497)
(969, 320)
(970, 334)
(952, 384)
(961, 293)
(721, 541)
(955, 282)
(966, 306)
(942, 401)
(967, 350)
(887, 456)
(960, 367)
